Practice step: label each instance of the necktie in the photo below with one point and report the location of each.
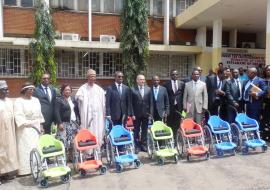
(175, 86)
(119, 89)
(47, 93)
(155, 92)
(141, 91)
(239, 88)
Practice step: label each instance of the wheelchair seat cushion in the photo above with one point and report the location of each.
(162, 133)
(220, 128)
(50, 149)
(122, 138)
(246, 125)
(192, 131)
(86, 143)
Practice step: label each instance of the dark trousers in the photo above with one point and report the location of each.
(47, 127)
(253, 111)
(173, 119)
(140, 126)
(156, 115)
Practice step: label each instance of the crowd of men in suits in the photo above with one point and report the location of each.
(224, 93)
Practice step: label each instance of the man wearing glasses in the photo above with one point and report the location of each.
(118, 100)
(46, 94)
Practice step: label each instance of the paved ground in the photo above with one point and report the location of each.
(250, 172)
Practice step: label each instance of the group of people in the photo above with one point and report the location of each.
(34, 112)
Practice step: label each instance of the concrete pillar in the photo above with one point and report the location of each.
(217, 42)
(90, 20)
(201, 36)
(102, 6)
(261, 40)
(166, 27)
(267, 50)
(1, 19)
(233, 38)
(47, 5)
(75, 5)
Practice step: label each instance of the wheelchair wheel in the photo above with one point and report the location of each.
(137, 163)
(66, 178)
(175, 158)
(82, 172)
(44, 183)
(102, 170)
(264, 148)
(75, 160)
(236, 136)
(208, 139)
(180, 144)
(35, 164)
(150, 145)
(119, 168)
(160, 161)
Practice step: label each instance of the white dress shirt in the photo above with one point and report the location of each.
(48, 90)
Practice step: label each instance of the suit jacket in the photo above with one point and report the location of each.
(232, 91)
(162, 102)
(178, 95)
(141, 106)
(116, 105)
(259, 82)
(47, 106)
(212, 86)
(197, 99)
(63, 111)
(202, 78)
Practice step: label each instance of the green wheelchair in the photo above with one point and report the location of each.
(48, 161)
(160, 143)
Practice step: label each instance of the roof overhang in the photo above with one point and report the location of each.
(243, 15)
(66, 44)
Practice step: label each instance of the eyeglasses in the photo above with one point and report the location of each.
(120, 76)
(46, 78)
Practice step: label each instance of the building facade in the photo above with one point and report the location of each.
(88, 37)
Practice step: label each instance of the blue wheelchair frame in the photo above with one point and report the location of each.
(221, 131)
(121, 138)
(249, 128)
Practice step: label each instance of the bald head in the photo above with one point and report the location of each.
(91, 76)
(252, 72)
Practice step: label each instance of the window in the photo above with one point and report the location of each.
(55, 3)
(158, 8)
(65, 63)
(10, 2)
(88, 60)
(112, 62)
(162, 64)
(10, 62)
(109, 6)
(95, 5)
(83, 5)
(68, 4)
(27, 3)
(118, 6)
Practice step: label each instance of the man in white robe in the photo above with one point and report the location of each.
(8, 150)
(91, 100)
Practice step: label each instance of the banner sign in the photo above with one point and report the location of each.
(245, 60)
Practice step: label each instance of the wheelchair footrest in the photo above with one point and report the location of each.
(220, 128)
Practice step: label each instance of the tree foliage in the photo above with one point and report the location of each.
(134, 38)
(42, 47)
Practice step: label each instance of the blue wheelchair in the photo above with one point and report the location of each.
(219, 137)
(246, 134)
(120, 148)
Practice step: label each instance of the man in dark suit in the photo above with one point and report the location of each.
(234, 95)
(142, 106)
(216, 87)
(118, 100)
(253, 98)
(175, 90)
(46, 95)
(160, 100)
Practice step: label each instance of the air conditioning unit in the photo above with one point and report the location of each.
(70, 36)
(248, 45)
(107, 38)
